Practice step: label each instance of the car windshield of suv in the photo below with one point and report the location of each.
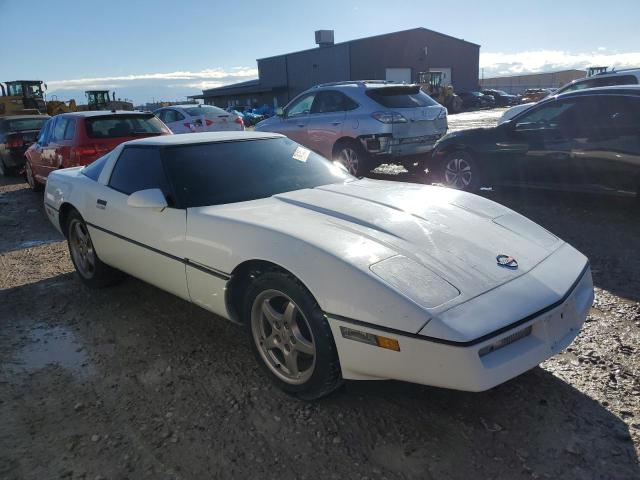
(409, 96)
(114, 126)
(229, 172)
(21, 124)
(207, 110)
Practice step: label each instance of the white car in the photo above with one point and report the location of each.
(333, 277)
(191, 118)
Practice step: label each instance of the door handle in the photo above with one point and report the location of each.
(336, 123)
(301, 125)
(101, 204)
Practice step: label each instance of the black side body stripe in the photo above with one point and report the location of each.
(469, 343)
(203, 268)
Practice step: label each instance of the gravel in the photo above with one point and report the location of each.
(131, 382)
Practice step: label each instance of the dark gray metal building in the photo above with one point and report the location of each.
(398, 56)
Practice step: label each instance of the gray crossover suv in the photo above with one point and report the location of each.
(363, 123)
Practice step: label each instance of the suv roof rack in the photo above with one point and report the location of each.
(359, 82)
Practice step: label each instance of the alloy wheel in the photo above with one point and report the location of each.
(457, 173)
(283, 336)
(82, 249)
(349, 158)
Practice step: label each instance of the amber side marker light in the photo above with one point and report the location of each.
(370, 338)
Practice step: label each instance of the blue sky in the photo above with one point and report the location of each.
(168, 49)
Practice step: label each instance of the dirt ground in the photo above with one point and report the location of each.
(131, 382)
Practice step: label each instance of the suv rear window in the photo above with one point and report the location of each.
(409, 96)
(114, 126)
(22, 124)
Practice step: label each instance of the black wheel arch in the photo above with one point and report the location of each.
(241, 277)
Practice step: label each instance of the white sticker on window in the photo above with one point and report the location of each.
(301, 154)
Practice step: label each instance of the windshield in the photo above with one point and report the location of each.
(401, 97)
(22, 124)
(229, 172)
(123, 126)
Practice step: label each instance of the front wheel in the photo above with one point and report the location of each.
(459, 170)
(291, 337)
(90, 268)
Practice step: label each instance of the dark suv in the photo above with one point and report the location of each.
(586, 140)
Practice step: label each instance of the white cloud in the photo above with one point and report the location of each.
(534, 61)
(215, 77)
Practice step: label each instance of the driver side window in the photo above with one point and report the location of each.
(549, 115)
(139, 168)
(302, 106)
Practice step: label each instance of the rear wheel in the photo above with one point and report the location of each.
(291, 337)
(459, 170)
(90, 268)
(353, 157)
(31, 179)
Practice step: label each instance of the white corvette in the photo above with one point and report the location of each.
(334, 277)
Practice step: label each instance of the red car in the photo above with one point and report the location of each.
(79, 138)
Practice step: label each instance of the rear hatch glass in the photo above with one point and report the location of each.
(117, 126)
(401, 96)
(22, 124)
(424, 123)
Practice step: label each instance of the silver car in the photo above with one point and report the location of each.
(363, 123)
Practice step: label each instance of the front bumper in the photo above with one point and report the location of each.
(474, 367)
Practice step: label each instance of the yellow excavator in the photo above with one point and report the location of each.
(22, 97)
(431, 83)
(100, 100)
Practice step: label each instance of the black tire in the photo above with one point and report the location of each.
(4, 171)
(354, 158)
(98, 274)
(324, 376)
(31, 180)
(459, 170)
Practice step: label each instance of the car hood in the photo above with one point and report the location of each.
(450, 234)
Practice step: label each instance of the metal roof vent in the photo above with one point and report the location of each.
(324, 38)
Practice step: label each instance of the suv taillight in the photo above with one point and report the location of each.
(15, 141)
(389, 117)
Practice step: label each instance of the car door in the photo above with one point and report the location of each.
(58, 155)
(609, 150)
(296, 117)
(536, 148)
(35, 152)
(145, 242)
(326, 120)
(174, 120)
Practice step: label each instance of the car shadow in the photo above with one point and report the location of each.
(142, 348)
(536, 424)
(23, 221)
